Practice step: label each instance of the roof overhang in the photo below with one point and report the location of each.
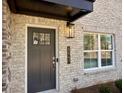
(68, 10)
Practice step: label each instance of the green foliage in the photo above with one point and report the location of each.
(118, 84)
(88, 42)
(104, 89)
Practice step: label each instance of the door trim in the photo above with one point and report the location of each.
(56, 52)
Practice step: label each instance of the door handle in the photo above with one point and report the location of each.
(54, 62)
(53, 58)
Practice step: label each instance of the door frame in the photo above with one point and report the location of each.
(56, 52)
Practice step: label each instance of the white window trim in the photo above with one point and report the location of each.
(100, 67)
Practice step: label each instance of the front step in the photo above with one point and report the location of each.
(49, 91)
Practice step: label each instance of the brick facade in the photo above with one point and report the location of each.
(6, 44)
(104, 19)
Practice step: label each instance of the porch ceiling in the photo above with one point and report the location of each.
(68, 10)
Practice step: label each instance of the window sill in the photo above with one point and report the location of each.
(99, 70)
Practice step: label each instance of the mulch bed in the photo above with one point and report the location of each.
(95, 88)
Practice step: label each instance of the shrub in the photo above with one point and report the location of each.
(118, 84)
(104, 89)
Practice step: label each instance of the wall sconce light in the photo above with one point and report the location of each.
(70, 30)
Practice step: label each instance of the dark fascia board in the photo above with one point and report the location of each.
(12, 5)
(91, 0)
(78, 15)
(80, 4)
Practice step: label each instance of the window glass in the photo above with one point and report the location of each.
(35, 38)
(106, 58)
(90, 59)
(41, 38)
(90, 42)
(41, 42)
(106, 42)
(47, 39)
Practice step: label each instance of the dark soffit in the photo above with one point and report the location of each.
(68, 10)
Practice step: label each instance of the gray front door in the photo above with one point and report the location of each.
(41, 51)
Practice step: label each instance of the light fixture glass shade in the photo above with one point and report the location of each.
(70, 31)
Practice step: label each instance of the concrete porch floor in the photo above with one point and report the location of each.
(49, 91)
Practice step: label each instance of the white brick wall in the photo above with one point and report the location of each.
(105, 18)
(6, 45)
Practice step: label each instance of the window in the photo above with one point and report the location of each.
(98, 50)
(41, 38)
